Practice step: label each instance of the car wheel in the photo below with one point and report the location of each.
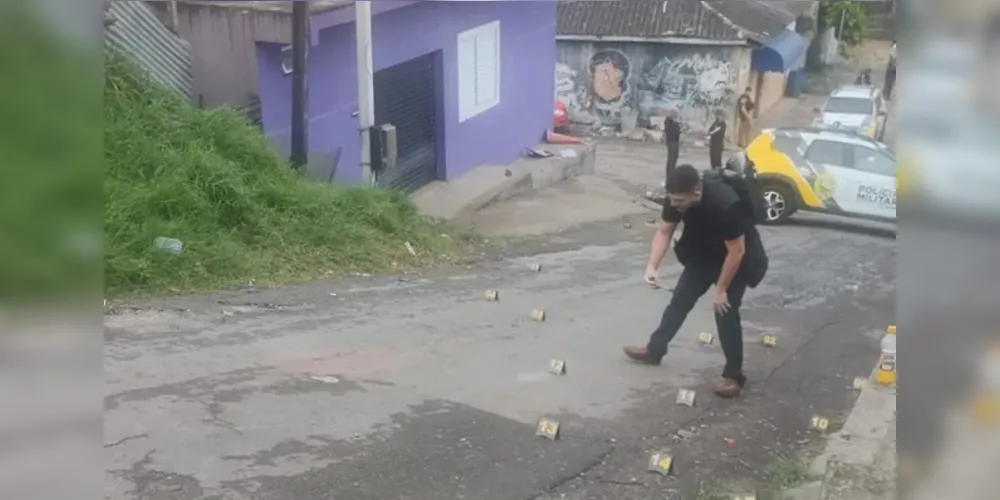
(779, 203)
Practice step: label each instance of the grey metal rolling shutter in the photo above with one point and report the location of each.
(405, 96)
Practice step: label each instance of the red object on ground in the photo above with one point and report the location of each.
(560, 117)
(556, 138)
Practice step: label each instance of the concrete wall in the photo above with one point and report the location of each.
(497, 136)
(770, 90)
(601, 82)
(222, 42)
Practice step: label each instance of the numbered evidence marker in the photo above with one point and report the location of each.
(685, 397)
(492, 295)
(661, 463)
(536, 268)
(538, 314)
(548, 429)
(557, 367)
(819, 423)
(859, 383)
(706, 337)
(769, 340)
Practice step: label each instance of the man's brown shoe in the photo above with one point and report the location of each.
(728, 388)
(641, 355)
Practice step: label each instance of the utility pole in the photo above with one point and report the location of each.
(366, 90)
(300, 89)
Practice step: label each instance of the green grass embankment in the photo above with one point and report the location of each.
(211, 180)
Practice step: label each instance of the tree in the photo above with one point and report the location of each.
(849, 19)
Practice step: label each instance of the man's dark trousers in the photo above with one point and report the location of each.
(890, 82)
(715, 156)
(673, 149)
(694, 282)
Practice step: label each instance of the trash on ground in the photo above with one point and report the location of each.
(685, 434)
(172, 246)
(536, 153)
(409, 248)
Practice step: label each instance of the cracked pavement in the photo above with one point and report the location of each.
(416, 387)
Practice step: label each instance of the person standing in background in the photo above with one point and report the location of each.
(672, 137)
(890, 74)
(744, 108)
(716, 139)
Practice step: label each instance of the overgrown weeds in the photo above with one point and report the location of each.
(211, 180)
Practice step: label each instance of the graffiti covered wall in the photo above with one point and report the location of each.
(600, 83)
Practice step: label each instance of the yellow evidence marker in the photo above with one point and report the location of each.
(706, 337)
(492, 295)
(538, 314)
(557, 367)
(859, 383)
(769, 340)
(661, 463)
(548, 429)
(685, 397)
(819, 423)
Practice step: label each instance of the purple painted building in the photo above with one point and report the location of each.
(464, 83)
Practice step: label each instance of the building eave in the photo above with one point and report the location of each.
(676, 40)
(315, 6)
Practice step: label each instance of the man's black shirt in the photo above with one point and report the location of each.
(671, 131)
(707, 226)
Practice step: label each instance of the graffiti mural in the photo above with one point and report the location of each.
(609, 85)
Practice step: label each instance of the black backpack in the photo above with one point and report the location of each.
(742, 178)
(740, 174)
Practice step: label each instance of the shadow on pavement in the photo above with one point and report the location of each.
(849, 226)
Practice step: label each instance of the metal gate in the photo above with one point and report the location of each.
(405, 96)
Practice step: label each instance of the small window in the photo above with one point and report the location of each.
(828, 153)
(478, 70)
(849, 106)
(286, 59)
(873, 162)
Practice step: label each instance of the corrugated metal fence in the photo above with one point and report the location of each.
(137, 32)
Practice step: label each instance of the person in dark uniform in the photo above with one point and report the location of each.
(744, 122)
(890, 74)
(672, 137)
(716, 139)
(718, 233)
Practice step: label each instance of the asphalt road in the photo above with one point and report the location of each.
(418, 388)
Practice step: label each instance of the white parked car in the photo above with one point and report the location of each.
(854, 108)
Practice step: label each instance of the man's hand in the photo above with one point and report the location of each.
(652, 276)
(720, 302)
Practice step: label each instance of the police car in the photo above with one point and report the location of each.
(854, 108)
(821, 170)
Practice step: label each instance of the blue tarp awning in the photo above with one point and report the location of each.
(780, 52)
